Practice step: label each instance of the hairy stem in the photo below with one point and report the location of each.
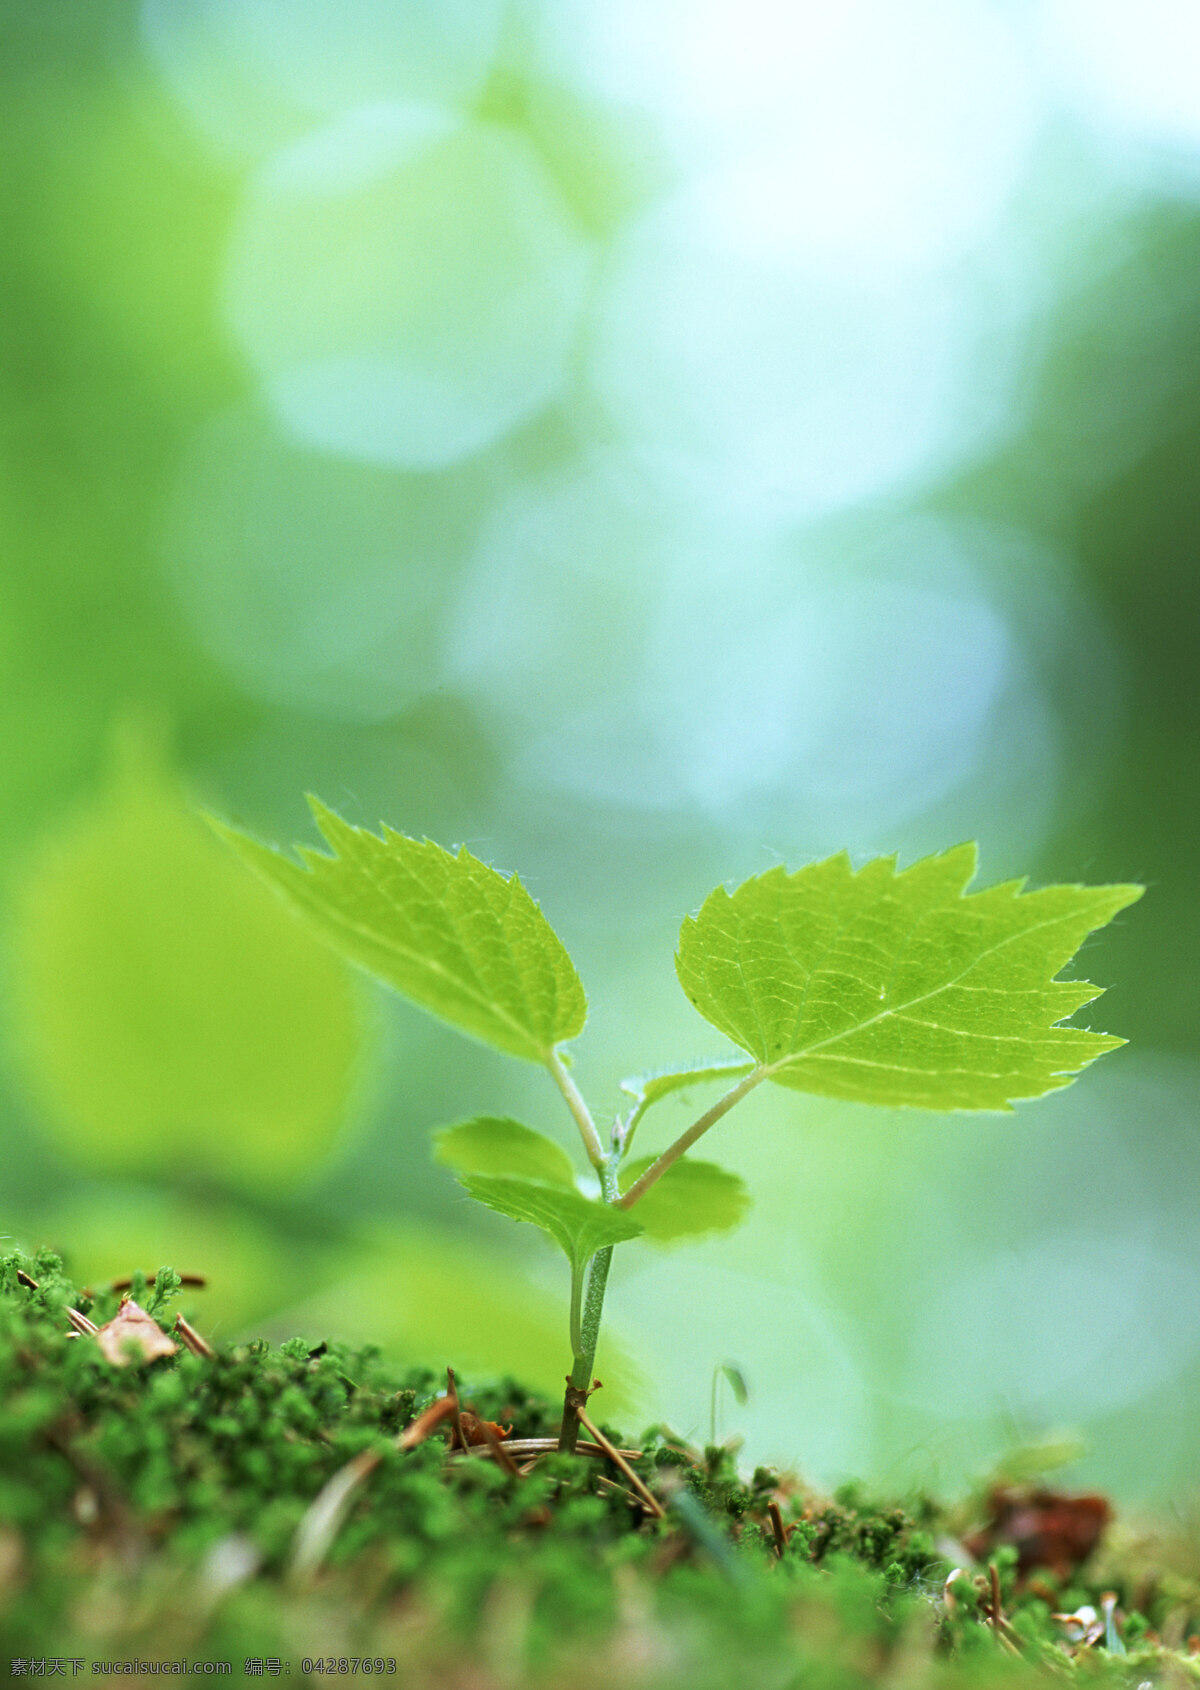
(578, 1274)
(578, 1108)
(685, 1140)
(593, 1307)
(631, 1125)
(585, 1333)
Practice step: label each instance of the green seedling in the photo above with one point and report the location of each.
(892, 987)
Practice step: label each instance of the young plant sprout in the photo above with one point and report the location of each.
(876, 985)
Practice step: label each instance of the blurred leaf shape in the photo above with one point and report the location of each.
(459, 939)
(579, 1225)
(897, 988)
(491, 1144)
(429, 1296)
(107, 1230)
(169, 1016)
(692, 1197)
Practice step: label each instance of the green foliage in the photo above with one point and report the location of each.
(492, 1144)
(579, 1224)
(464, 942)
(162, 1292)
(690, 1198)
(896, 988)
(169, 1016)
(877, 986)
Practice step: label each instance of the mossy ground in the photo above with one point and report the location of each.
(179, 1509)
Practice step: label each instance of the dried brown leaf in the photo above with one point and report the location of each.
(133, 1335)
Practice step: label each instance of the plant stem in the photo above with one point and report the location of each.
(578, 1108)
(578, 1272)
(585, 1333)
(631, 1126)
(685, 1140)
(593, 1307)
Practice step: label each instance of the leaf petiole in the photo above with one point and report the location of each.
(632, 1124)
(651, 1088)
(579, 1109)
(685, 1140)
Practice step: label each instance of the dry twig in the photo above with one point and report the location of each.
(192, 1339)
(496, 1447)
(649, 1500)
(426, 1422)
(455, 1411)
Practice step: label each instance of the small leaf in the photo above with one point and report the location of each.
(649, 1088)
(492, 1144)
(898, 988)
(692, 1197)
(736, 1380)
(456, 937)
(578, 1225)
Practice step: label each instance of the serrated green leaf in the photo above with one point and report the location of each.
(463, 941)
(578, 1224)
(690, 1198)
(495, 1144)
(900, 988)
(650, 1088)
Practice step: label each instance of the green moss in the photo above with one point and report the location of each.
(157, 1510)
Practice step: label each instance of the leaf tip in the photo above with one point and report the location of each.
(247, 845)
(1126, 893)
(962, 859)
(335, 829)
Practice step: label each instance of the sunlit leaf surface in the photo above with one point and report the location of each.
(492, 1144)
(900, 988)
(692, 1197)
(578, 1224)
(464, 942)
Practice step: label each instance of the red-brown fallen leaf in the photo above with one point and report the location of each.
(426, 1422)
(473, 1432)
(1047, 1528)
(442, 1408)
(132, 1330)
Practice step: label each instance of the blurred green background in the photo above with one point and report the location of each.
(648, 442)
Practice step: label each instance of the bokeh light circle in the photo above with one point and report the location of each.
(316, 582)
(252, 73)
(407, 288)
